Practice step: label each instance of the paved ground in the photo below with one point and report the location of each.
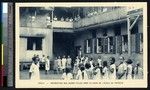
(24, 74)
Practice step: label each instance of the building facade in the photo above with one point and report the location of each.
(91, 31)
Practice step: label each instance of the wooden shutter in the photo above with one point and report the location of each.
(106, 45)
(137, 41)
(95, 45)
(119, 44)
(85, 46)
(114, 44)
(103, 45)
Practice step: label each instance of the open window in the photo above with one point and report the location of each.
(34, 43)
(99, 45)
(139, 43)
(88, 46)
(124, 43)
(111, 45)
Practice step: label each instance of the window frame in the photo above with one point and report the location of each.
(33, 42)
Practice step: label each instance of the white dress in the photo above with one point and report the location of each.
(129, 71)
(59, 63)
(138, 73)
(100, 62)
(105, 71)
(35, 73)
(98, 74)
(64, 63)
(47, 64)
(64, 76)
(79, 75)
(113, 75)
(43, 59)
(69, 76)
(121, 68)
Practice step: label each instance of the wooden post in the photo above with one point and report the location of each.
(129, 36)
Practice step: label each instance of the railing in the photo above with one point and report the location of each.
(41, 22)
(62, 24)
(101, 18)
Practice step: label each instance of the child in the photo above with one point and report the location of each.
(77, 60)
(105, 70)
(69, 74)
(138, 71)
(129, 69)
(91, 63)
(75, 69)
(97, 72)
(121, 69)
(47, 65)
(63, 62)
(69, 60)
(43, 61)
(59, 64)
(112, 68)
(56, 66)
(99, 60)
(79, 74)
(88, 71)
(34, 73)
(64, 75)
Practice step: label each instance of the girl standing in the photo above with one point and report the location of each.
(34, 73)
(105, 70)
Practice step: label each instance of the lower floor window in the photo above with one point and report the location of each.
(124, 43)
(88, 46)
(34, 43)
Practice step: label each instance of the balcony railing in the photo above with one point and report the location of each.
(101, 18)
(62, 24)
(41, 22)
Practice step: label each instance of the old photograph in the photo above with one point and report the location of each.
(80, 42)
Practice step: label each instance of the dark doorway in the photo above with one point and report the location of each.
(63, 44)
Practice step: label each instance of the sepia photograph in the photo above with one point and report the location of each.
(72, 42)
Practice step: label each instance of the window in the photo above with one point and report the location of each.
(88, 46)
(139, 43)
(111, 45)
(124, 43)
(34, 43)
(99, 45)
(119, 44)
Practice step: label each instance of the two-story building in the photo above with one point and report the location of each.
(95, 31)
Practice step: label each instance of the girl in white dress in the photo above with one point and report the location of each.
(47, 65)
(34, 73)
(64, 61)
(75, 70)
(138, 71)
(97, 72)
(59, 64)
(69, 74)
(88, 73)
(122, 69)
(105, 70)
(129, 69)
(64, 75)
(112, 68)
